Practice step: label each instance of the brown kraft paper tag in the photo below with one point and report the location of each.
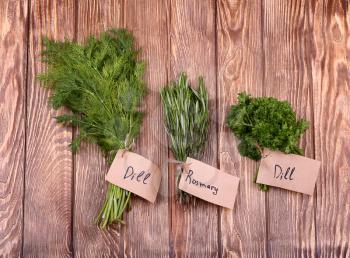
(136, 174)
(209, 183)
(288, 171)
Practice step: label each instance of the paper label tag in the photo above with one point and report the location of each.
(136, 174)
(209, 183)
(288, 171)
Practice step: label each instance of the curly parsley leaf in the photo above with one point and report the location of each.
(265, 122)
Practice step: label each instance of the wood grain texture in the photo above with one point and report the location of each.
(194, 229)
(331, 92)
(289, 58)
(293, 50)
(240, 68)
(13, 61)
(148, 20)
(94, 16)
(48, 176)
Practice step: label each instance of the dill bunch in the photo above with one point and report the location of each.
(265, 122)
(186, 121)
(101, 83)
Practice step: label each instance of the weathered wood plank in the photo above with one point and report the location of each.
(147, 229)
(13, 61)
(289, 58)
(48, 176)
(331, 92)
(194, 230)
(90, 166)
(240, 68)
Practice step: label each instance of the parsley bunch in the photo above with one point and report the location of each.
(186, 121)
(101, 83)
(265, 122)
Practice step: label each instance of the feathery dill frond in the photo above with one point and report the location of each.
(101, 83)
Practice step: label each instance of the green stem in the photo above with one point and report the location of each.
(116, 202)
(262, 187)
(114, 206)
(181, 195)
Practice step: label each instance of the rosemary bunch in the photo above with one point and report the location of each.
(186, 120)
(101, 83)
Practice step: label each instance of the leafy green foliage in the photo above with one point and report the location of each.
(265, 123)
(186, 120)
(101, 83)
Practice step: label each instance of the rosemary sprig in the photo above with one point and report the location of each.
(101, 83)
(186, 121)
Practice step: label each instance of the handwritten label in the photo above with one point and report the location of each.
(136, 174)
(288, 171)
(209, 183)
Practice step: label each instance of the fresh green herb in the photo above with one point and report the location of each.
(101, 83)
(186, 120)
(265, 123)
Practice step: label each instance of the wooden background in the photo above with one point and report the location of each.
(295, 50)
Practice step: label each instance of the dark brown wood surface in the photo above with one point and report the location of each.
(291, 59)
(293, 50)
(149, 20)
(194, 229)
(331, 95)
(240, 68)
(13, 65)
(48, 164)
(92, 17)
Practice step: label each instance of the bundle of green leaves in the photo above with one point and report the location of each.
(265, 122)
(186, 120)
(101, 83)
